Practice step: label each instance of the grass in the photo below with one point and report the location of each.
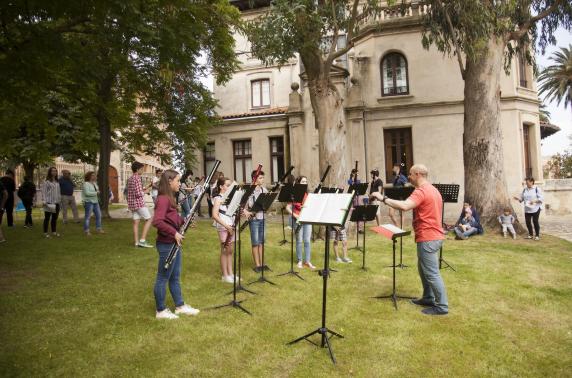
(75, 306)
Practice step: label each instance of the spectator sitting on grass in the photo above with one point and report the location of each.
(467, 226)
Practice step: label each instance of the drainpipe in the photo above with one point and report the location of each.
(364, 142)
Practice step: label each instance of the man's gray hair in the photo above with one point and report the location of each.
(421, 169)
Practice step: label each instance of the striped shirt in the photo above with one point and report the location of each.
(51, 192)
(135, 193)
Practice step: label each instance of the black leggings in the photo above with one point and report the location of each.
(28, 206)
(532, 218)
(54, 216)
(9, 210)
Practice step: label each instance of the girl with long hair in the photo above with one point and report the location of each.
(52, 199)
(168, 222)
(89, 194)
(305, 231)
(224, 222)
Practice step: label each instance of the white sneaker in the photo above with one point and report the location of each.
(234, 277)
(300, 266)
(166, 314)
(227, 279)
(346, 260)
(338, 259)
(514, 236)
(186, 310)
(537, 238)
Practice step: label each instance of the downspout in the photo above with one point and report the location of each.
(365, 142)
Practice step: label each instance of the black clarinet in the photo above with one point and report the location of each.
(273, 189)
(191, 217)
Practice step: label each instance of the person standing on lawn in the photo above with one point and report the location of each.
(67, 188)
(223, 224)
(168, 222)
(27, 193)
(3, 196)
(136, 204)
(426, 203)
(10, 187)
(52, 200)
(89, 195)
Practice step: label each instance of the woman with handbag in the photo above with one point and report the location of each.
(90, 199)
(52, 200)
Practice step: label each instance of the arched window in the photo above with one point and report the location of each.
(394, 76)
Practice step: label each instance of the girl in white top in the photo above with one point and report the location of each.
(533, 201)
(52, 200)
(224, 223)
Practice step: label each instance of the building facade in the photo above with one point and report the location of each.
(403, 104)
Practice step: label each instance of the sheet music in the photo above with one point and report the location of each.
(328, 208)
(235, 202)
(228, 191)
(392, 228)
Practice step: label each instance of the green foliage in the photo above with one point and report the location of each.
(556, 80)
(84, 307)
(474, 22)
(560, 165)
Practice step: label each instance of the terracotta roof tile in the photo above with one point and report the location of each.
(267, 111)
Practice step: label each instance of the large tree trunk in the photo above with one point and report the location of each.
(105, 143)
(329, 113)
(485, 183)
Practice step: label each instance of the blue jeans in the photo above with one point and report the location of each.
(257, 232)
(304, 235)
(428, 265)
(186, 207)
(470, 231)
(170, 275)
(89, 206)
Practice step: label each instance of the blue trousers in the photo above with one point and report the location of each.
(170, 276)
(428, 265)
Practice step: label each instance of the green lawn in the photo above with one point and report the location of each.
(78, 306)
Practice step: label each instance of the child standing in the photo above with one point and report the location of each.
(506, 219)
(339, 234)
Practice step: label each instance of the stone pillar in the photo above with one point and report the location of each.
(295, 143)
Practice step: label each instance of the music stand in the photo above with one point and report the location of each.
(400, 193)
(392, 232)
(326, 210)
(283, 241)
(246, 192)
(263, 203)
(450, 194)
(359, 190)
(364, 213)
(292, 193)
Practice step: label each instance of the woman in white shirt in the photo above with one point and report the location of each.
(533, 200)
(52, 199)
(224, 223)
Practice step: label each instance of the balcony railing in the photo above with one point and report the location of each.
(409, 9)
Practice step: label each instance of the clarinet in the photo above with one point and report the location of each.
(317, 190)
(191, 217)
(254, 179)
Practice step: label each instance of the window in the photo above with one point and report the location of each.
(242, 153)
(522, 70)
(260, 93)
(276, 158)
(209, 157)
(526, 141)
(398, 150)
(394, 76)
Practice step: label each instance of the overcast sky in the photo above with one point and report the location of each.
(559, 116)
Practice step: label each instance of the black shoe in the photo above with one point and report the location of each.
(257, 269)
(422, 302)
(433, 311)
(266, 267)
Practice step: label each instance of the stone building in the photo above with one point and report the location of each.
(403, 104)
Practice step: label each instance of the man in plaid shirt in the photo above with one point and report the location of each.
(136, 204)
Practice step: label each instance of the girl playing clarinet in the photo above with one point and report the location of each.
(224, 222)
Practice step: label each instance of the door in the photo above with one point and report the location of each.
(114, 183)
(398, 150)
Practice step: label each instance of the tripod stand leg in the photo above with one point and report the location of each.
(305, 337)
(327, 342)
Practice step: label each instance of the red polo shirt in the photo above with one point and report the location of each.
(427, 217)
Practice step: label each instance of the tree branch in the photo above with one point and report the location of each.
(349, 36)
(454, 39)
(335, 35)
(523, 29)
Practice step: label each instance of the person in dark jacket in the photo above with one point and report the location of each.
(476, 219)
(67, 188)
(27, 193)
(10, 187)
(168, 222)
(3, 196)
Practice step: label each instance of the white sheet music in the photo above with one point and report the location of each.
(392, 228)
(228, 191)
(234, 202)
(325, 208)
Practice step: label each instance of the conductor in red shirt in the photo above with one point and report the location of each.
(426, 203)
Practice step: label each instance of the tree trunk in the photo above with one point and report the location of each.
(105, 143)
(329, 112)
(485, 183)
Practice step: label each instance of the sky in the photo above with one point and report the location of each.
(558, 115)
(558, 142)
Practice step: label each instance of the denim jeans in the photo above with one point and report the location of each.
(257, 232)
(89, 206)
(470, 231)
(170, 275)
(428, 265)
(186, 207)
(304, 235)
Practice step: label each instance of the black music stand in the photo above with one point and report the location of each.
(393, 296)
(248, 189)
(400, 193)
(359, 190)
(450, 194)
(292, 193)
(263, 203)
(364, 213)
(323, 330)
(283, 241)
(235, 288)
